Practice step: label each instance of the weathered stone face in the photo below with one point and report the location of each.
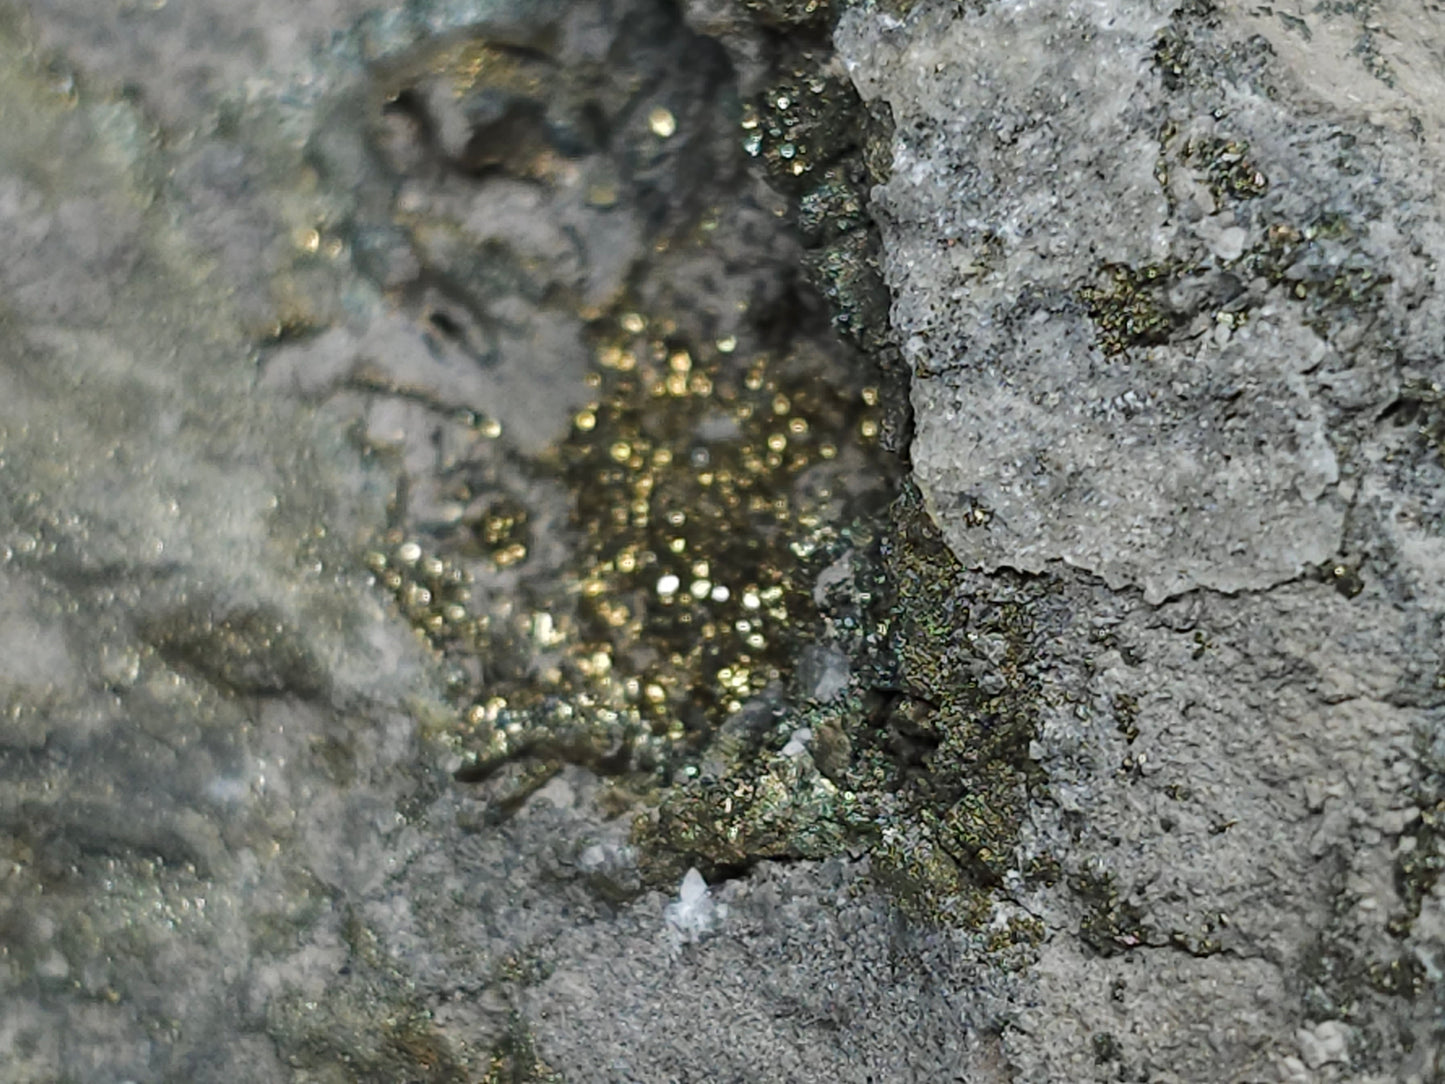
(428, 478)
(439, 395)
(1166, 278)
(1142, 306)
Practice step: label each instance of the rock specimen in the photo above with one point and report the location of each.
(1166, 277)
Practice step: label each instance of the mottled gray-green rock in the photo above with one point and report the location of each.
(254, 317)
(1166, 276)
(1154, 283)
(1164, 273)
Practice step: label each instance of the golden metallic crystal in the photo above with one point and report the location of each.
(686, 593)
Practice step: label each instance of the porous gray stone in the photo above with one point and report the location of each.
(1039, 151)
(1166, 277)
(232, 848)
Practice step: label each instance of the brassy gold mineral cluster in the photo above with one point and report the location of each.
(702, 482)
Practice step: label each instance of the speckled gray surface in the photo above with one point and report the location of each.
(1167, 278)
(232, 846)
(1046, 159)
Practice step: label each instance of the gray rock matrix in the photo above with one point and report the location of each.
(1164, 274)
(1212, 450)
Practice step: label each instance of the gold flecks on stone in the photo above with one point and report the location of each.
(691, 519)
(687, 594)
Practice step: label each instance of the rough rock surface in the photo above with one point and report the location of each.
(1116, 365)
(246, 333)
(1166, 275)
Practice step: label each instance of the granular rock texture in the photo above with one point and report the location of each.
(1165, 275)
(446, 628)
(1154, 290)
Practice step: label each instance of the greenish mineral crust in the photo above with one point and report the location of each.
(370, 1024)
(820, 145)
(1127, 308)
(1110, 925)
(1419, 864)
(927, 765)
(1232, 176)
(833, 207)
(368, 1032)
(791, 14)
(968, 701)
(1174, 55)
(1318, 263)
(846, 274)
(777, 807)
(802, 124)
(515, 1060)
(1183, 63)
